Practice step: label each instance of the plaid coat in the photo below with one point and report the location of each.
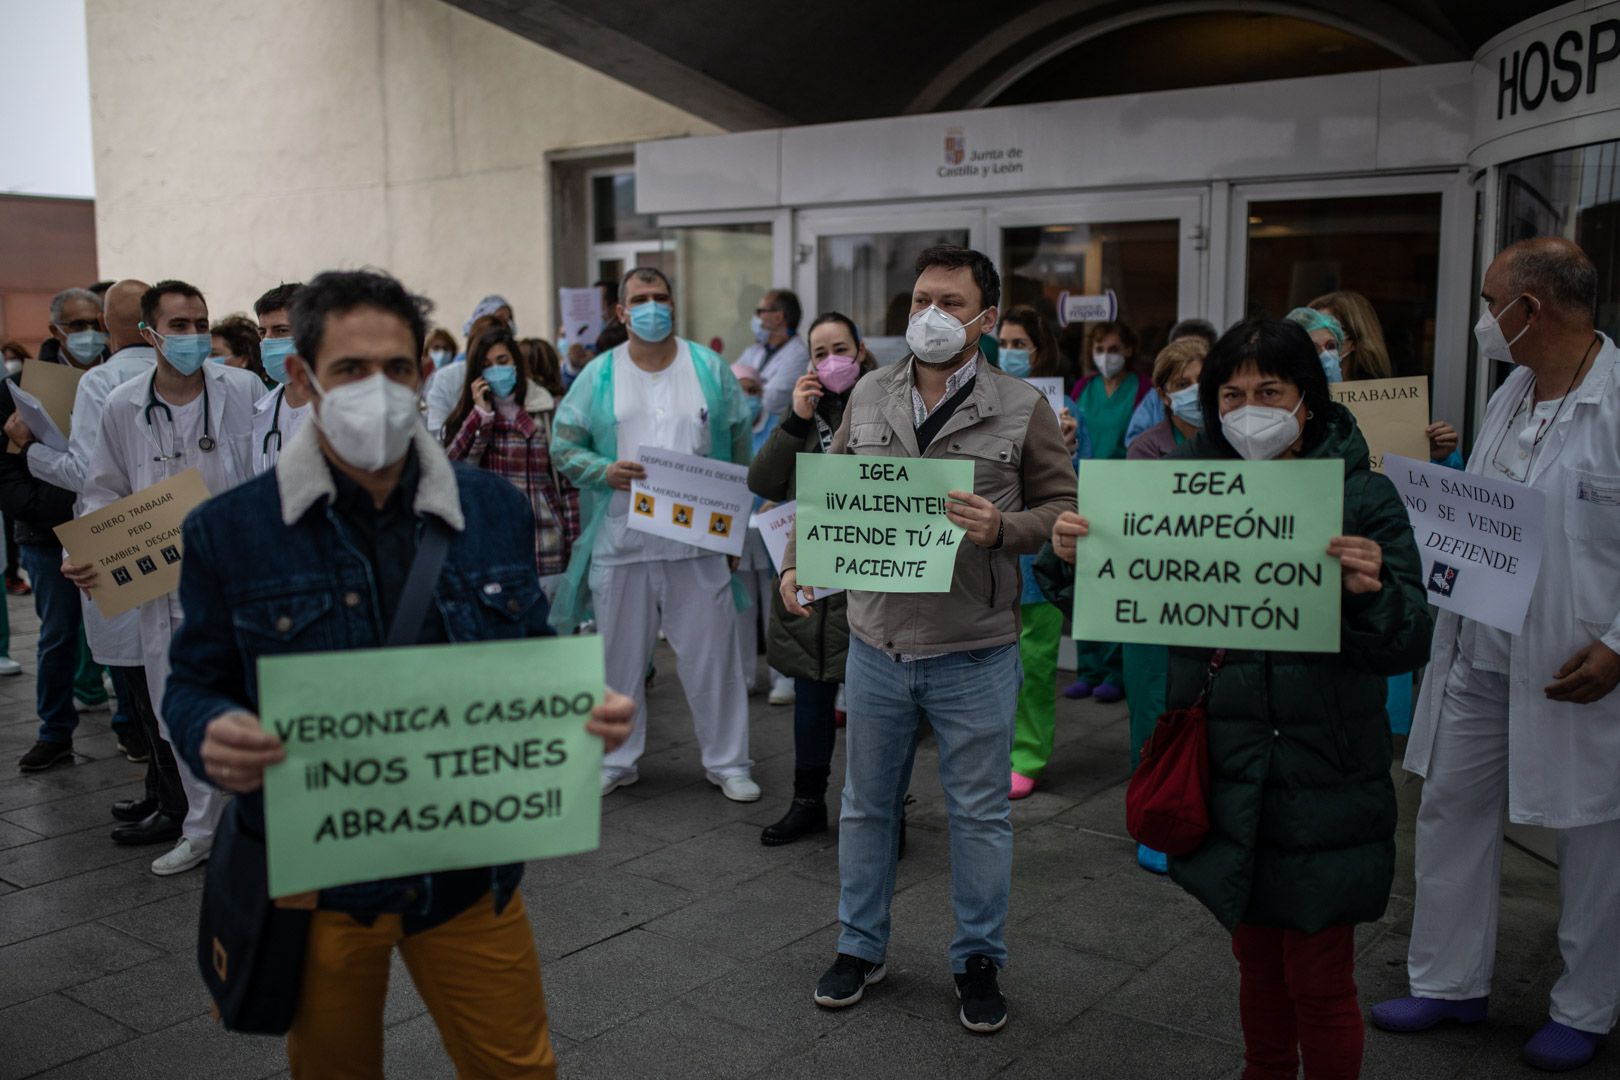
(520, 450)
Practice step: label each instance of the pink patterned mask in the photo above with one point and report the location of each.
(838, 372)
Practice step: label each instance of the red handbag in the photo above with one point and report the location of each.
(1167, 803)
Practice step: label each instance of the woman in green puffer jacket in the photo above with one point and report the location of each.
(1302, 808)
(810, 650)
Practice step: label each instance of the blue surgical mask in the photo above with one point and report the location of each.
(274, 352)
(1185, 406)
(219, 358)
(1330, 365)
(502, 380)
(756, 405)
(1015, 362)
(652, 322)
(440, 357)
(186, 353)
(86, 345)
(757, 325)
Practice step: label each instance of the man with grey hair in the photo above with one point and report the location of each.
(78, 340)
(1530, 721)
(658, 392)
(77, 332)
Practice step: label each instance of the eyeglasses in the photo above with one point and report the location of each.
(766, 310)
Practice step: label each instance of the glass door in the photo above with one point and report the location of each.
(1147, 250)
(860, 263)
(1403, 242)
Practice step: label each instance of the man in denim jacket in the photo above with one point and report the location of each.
(313, 556)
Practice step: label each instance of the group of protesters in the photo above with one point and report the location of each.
(373, 483)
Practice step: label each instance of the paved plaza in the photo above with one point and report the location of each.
(683, 948)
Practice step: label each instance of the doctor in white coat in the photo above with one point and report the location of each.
(185, 414)
(1530, 721)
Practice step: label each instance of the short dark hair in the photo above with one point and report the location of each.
(279, 298)
(151, 298)
(953, 256)
(646, 273)
(1198, 328)
(792, 310)
(1275, 347)
(610, 289)
(1556, 272)
(100, 288)
(337, 292)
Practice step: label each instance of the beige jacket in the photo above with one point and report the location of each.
(1011, 435)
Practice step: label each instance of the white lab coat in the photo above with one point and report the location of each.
(124, 462)
(115, 642)
(269, 423)
(443, 391)
(778, 373)
(1563, 759)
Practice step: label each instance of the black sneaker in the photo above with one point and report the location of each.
(132, 744)
(984, 1010)
(847, 980)
(46, 754)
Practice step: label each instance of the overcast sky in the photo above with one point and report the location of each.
(44, 99)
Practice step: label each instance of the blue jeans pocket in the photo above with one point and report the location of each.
(980, 656)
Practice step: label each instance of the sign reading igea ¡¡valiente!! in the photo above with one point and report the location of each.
(438, 757)
(877, 523)
(1221, 554)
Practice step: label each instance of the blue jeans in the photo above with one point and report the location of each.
(56, 600)
(969, 699)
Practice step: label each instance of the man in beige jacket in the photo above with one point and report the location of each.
(950, 657)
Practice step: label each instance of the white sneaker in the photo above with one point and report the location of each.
(186, 854)
(782, 692)
(9, 667)
(740, 788)
(612, 781)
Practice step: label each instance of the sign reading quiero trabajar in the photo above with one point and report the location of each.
(878, 523)
(1211, 553)
(438, 757)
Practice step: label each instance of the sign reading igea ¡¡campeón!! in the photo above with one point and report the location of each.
(1205, 553)
(878, 523)
(439, 757)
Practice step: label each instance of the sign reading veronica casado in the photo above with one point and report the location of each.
(878, 523)
(432, 758)
(1210, 553)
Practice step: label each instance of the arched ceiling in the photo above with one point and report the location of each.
(746, 64)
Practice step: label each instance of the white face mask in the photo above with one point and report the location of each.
(1109, 363)
(935, 337)
(1493, 344)
(13, 367)
(1260, 432)
(369, 423)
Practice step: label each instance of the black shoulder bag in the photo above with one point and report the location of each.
(251, 948)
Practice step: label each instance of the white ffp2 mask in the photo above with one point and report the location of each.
(1260, 432)
(1493, 344)
(935, 337)
(369, 422)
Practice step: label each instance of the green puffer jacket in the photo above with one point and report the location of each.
(1302, 807)
(813, 647)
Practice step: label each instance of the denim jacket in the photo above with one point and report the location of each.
(270, 568)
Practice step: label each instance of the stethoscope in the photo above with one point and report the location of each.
(275, 428)
(205, 443)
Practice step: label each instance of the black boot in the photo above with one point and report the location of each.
(807, 813)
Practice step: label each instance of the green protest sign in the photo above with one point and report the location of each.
(878, 523)
(439, 757)
(1216, 553)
